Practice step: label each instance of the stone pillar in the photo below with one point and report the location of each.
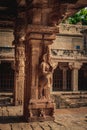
(38, 104)
(38, 70)
(19, 42)
(64, 68)
(75, 67)
(64, 79)
(19, 73)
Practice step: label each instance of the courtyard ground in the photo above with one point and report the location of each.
(65, 119)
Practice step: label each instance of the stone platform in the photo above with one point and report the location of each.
(65, 119)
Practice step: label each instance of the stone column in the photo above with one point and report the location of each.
(64, 79)
(38, 104)
(75, 67)
(38, 70)
(19, 42)
(19, 73)
(64, 68)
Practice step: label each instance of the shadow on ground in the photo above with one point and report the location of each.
(12, 119)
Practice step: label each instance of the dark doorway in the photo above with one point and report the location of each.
(82, 78)
(68, 79)
(57, 79)
(60, 84)
(6, 77)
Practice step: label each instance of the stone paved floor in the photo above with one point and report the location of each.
(65, 119)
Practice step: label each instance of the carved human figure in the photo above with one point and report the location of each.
(45, 79)
(20, 59)
(42, 113)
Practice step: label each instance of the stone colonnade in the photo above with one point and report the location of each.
(74, 68)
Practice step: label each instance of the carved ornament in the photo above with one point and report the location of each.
(42, 29)
(75, 65)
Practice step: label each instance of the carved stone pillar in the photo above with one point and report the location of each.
(19, 73)
(38, 104)
(64, 79)
(75, 67)
(34, 20)
(64, 68)
(19, 42)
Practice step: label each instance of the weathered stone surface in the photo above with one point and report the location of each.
(31, 88)
(5, 127)
(65, 119)
(26, 126)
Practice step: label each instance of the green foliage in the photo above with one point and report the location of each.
(80, 17)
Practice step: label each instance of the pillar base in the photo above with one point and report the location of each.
(40, 110)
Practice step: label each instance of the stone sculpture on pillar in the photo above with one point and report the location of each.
(45, 77)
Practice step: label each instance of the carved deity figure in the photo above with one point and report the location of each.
(20, 59)
(45, 79)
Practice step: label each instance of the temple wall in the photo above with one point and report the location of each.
(69, 37)
(6, 37)
(68, 42)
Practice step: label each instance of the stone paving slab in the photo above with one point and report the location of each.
(66, 119)
(5, 127)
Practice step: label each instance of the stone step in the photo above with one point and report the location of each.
(6, 99)
(75, 97)
(65, 94)
(70, 99)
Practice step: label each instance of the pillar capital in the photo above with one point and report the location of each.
(63, 66)
(75, 65)
(41, 29)
(44, 34)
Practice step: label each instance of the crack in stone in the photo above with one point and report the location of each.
(32, 127)
(41, 127)
(11, 126)
(50, 127)
(59, 124)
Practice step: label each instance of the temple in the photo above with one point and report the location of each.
(38, 55)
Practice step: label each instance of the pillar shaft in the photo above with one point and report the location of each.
(19, 73)
(75, 79)
(34, 60)
(64, 68)
(75, 68)
(64, 79)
